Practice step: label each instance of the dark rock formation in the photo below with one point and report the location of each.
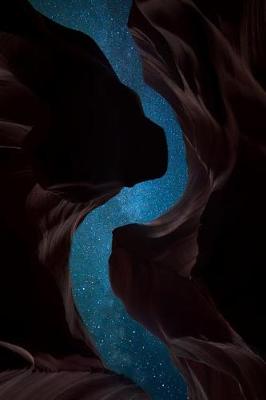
(71, 136)
(194, 276)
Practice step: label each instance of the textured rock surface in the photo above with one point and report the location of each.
(193, 277)
(63, 152)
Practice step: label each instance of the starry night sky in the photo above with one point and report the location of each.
(125, 346)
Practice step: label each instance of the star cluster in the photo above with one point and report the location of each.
(125, 346)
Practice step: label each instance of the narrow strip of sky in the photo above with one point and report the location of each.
(125, 346)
